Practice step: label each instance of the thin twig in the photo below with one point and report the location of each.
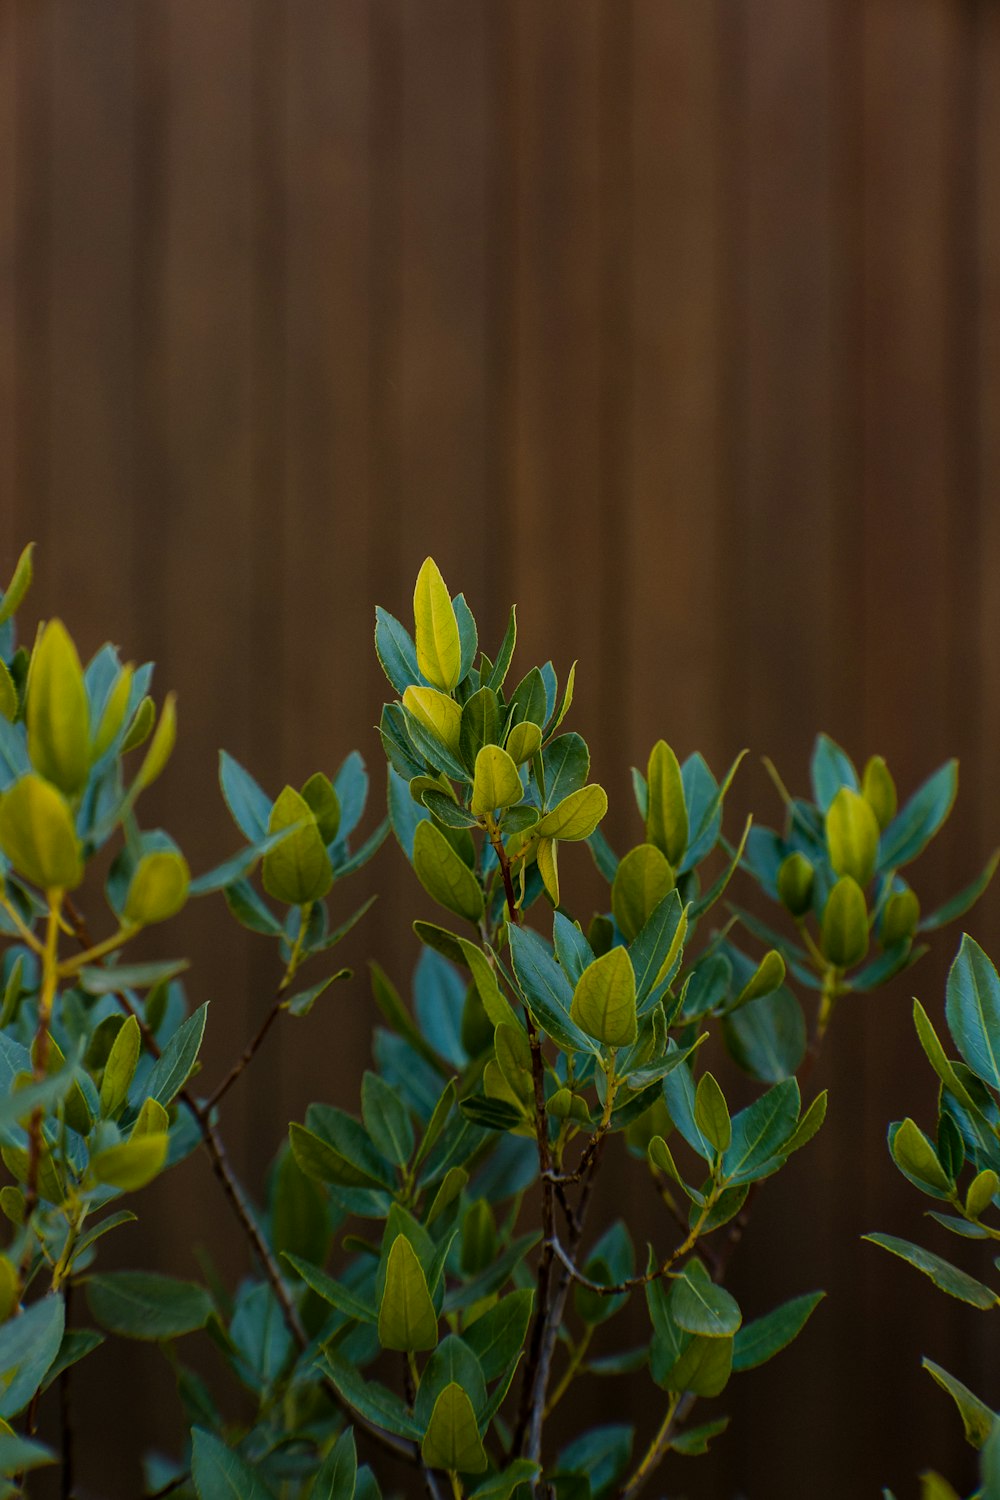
(67, 1474)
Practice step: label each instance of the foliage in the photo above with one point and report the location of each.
(959, 1168)
(428, 1282)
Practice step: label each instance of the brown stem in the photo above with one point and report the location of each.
(239, 1203)
(247, 1055)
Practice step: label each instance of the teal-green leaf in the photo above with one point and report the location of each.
(386, 1119)
(703, 1368)
(219, 1473)
(338, 1474)
(949, 1278)
(501, 1486)
(765, 1337)
(973, 1010)
(498, 1334)
(28, 1346)
(322, 1161)
(761, 1133)
(173, 1067)
(913, 827)
(141, 1305)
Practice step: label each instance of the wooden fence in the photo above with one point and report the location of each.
(676, 320)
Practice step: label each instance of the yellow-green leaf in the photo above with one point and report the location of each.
(141, 726)
(768, 976)
(158, 888)
(439, 715)
(643, 878)
(444, 874)
(452, 1439)
(318, 792)
(439, 646)
(160, 746)
(131, 1164)
(604, 999)
(119, 1070)
(576, 816)
(899, 918)
(524, 741)
(496, 782)
(879, 790)
(796, 877)
(152, 1119)
(666, 816)
(19, 584)
(298, 869)
(58, 714)
(38, 836)
(844, 933)
(8, 694)
(406, 1316)
(852, 835)
(113, 716)
(547, 855)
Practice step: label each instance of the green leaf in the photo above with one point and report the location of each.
(452, 1439)
(703, 1368)
(131, 1164)
(944, 1275)
(900, 916)
(523, 742)
(546, 990)
(58, 712)
(566, 765)
(302, 1002)
(501, 1486)
(338, 1473)
(808, 1126)
(694, 1441)
(141, 1305)
(576, 816)
(141, 726)
(913, 827)
(173, 1067)
(937, 1057)
(604, 1004)
(917, 1159)
(711, 1116)
(852, 835)
(496, 782)
(480, 724)
(406, 1317)
(219, 1473)
(444, 875)
(386, 1119)
(19, 1455)
(666, 815)
(768, 1037)
(38, 836)
(964, 899)
(160, 746)
(395, 650)
(641, 881)
(498, 1334)
(298, 869)
(322, 1161)
(505, 655)
(332, 1291)
(768, 976)
(8, 694)
(760, 1134)
(844, 931)
(658, 946)
(158, 888)
(320, 797)
(977, 1418)
(249, 805)
(439, 646)
(795, 881)
(700, 1306)
(369, 1399)
(28, 1345)
(765, 1337)
(19, 584)
(438, 715)
(973, 1010)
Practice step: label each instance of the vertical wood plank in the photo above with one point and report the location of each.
(911, 486)
(9, 204)
(674, 542)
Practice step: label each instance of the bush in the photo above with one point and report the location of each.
(453, 1317)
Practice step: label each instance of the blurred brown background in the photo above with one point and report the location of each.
(677, 321)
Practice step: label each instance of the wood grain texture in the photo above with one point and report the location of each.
(677, 323)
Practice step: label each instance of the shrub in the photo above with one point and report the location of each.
(472, 1283)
